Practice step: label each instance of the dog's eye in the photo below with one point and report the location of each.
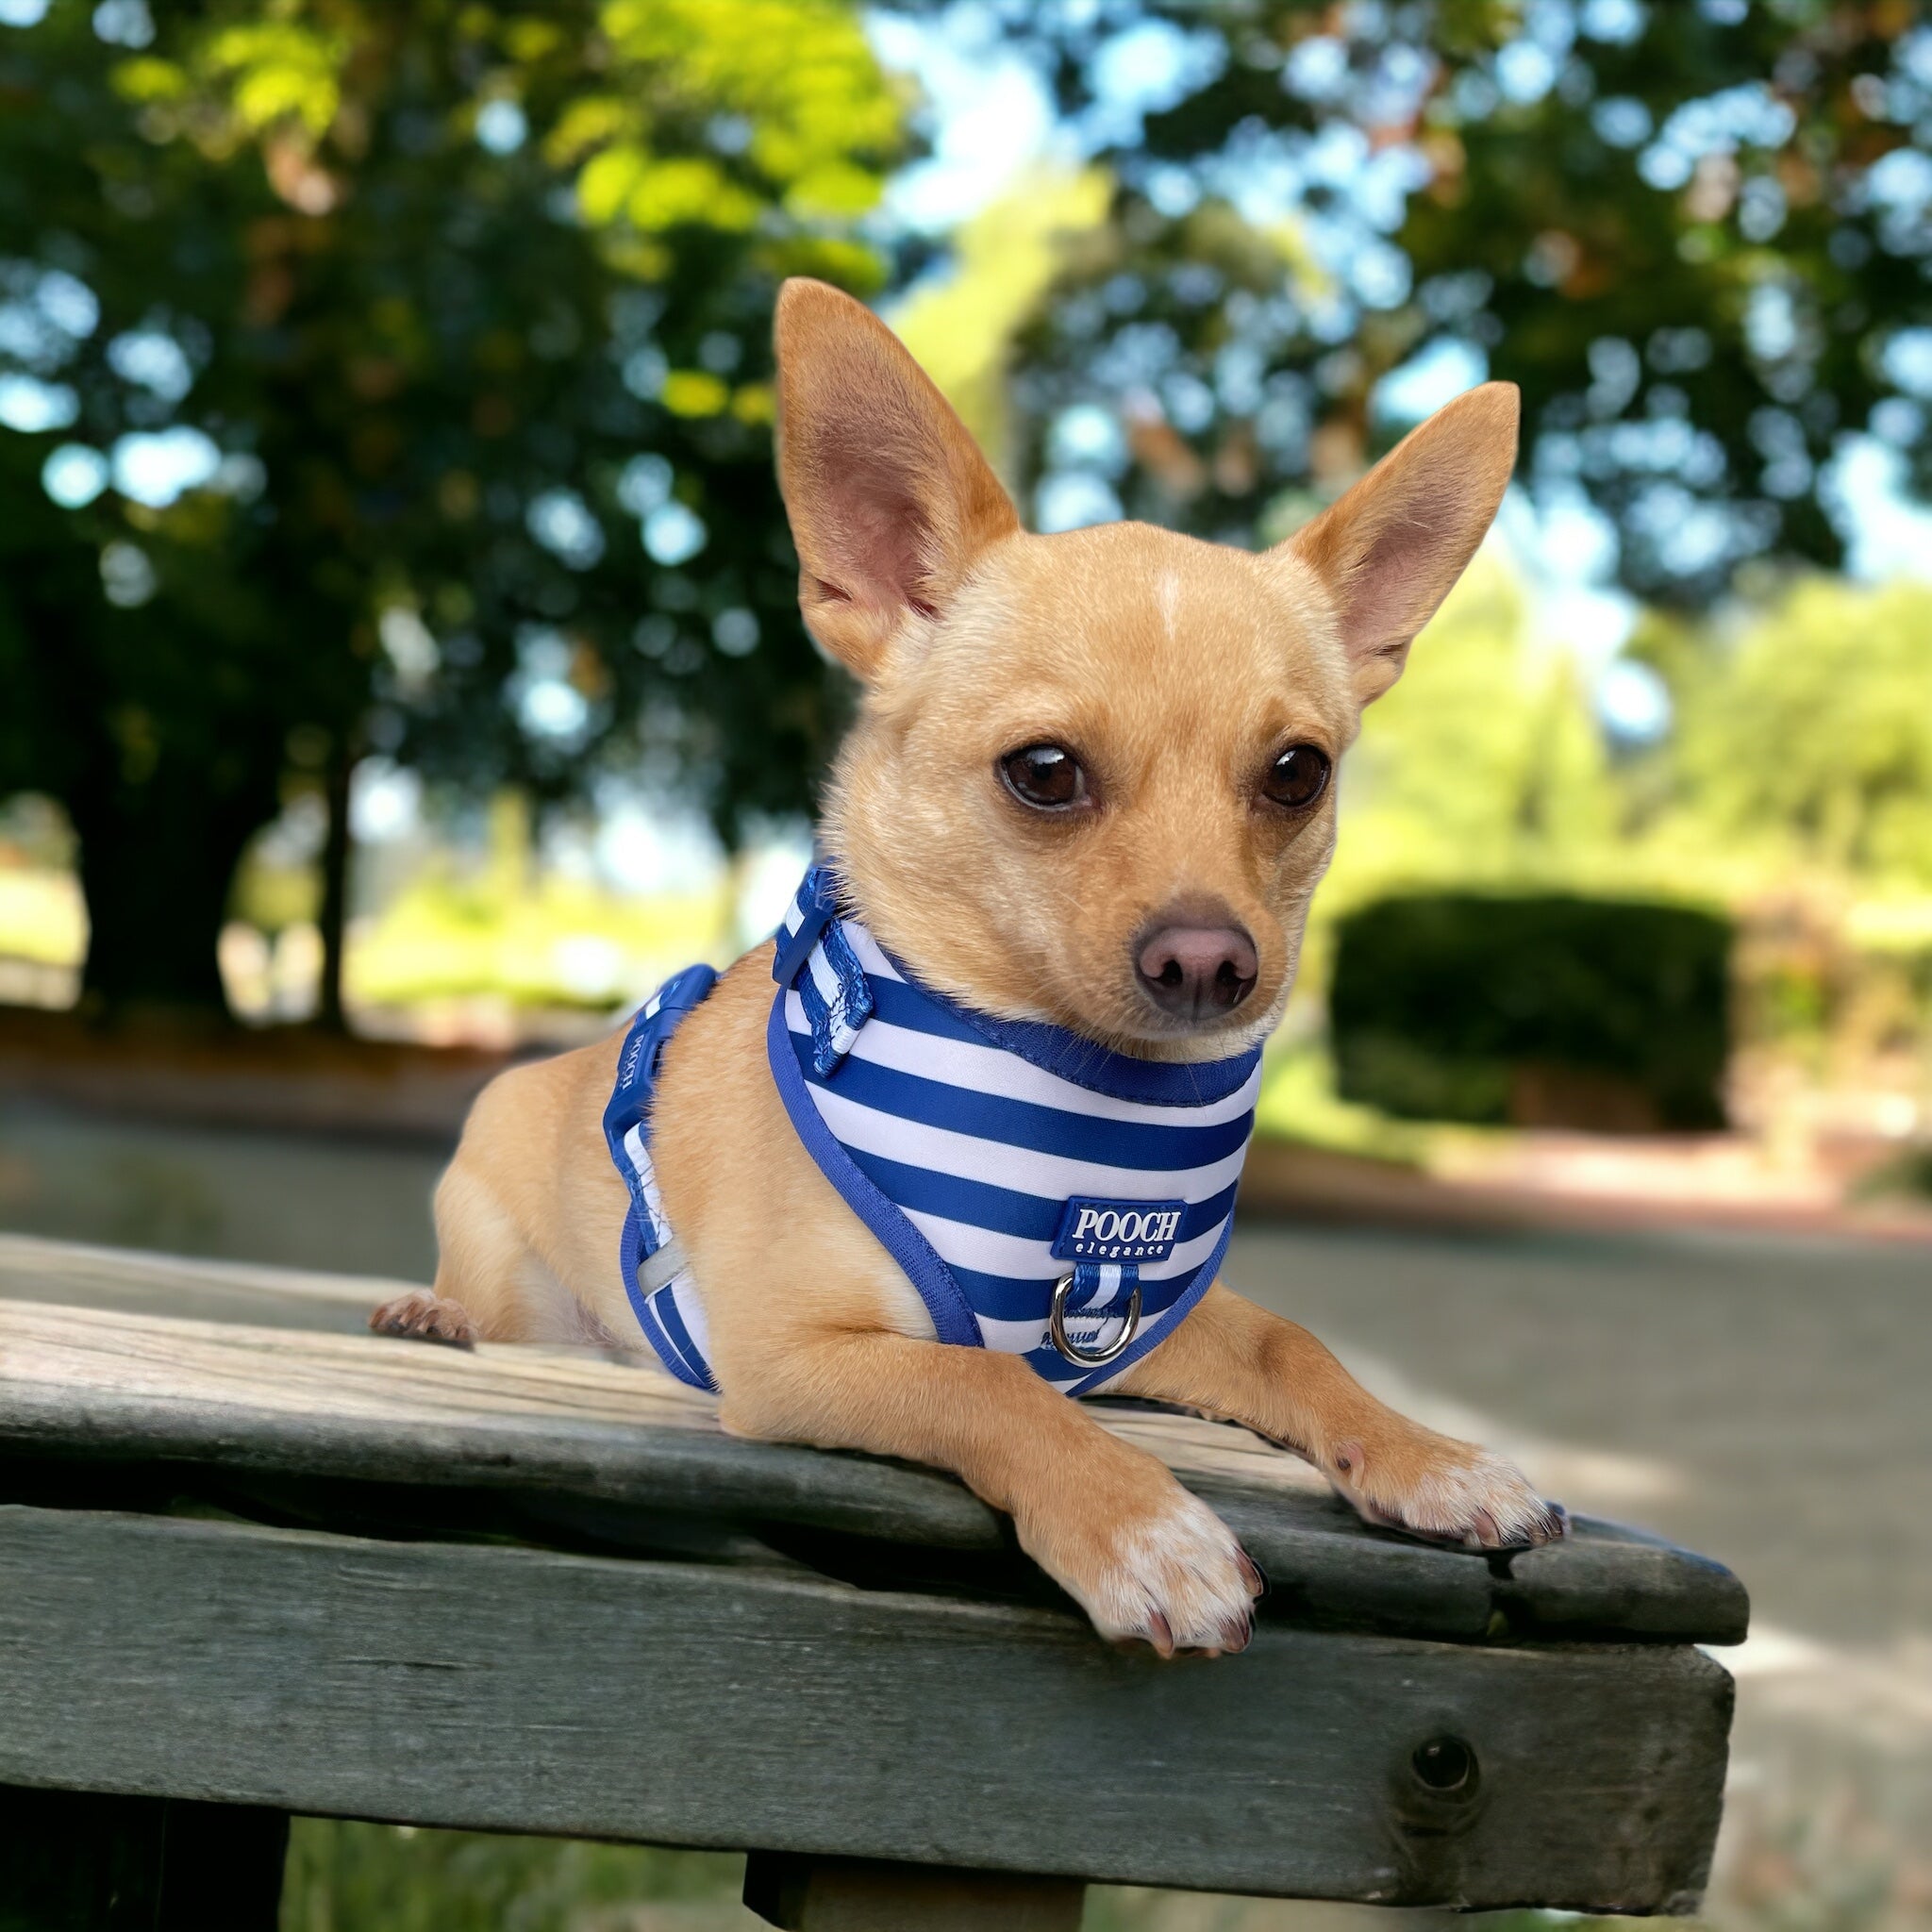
(1046, 775)
(1297, 777)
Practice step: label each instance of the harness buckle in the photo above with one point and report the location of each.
(1090, 1357)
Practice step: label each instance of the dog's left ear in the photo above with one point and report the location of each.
(1388, 550)
(890, 499)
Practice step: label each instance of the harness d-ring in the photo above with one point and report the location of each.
(1089, 1358)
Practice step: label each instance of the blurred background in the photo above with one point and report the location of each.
(400, 670)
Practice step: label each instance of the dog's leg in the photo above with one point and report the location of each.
(484, 1270)
(1107, 1522)
(817, 1337)
(1234, 1360)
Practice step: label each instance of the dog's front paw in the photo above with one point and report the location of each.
(420, 1316)
(1164, 1570)
(1404, 1477)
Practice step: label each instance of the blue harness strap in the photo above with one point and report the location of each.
(1044, 1196)
(814, 956)
(670, 1314)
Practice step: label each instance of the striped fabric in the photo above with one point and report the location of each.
(994, 1160)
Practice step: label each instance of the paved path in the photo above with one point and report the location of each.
(347, 1205)
(1769, 1403)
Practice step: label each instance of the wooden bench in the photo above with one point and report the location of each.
(255, 1562)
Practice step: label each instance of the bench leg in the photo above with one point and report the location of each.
(78, 1862)
(805, 1894)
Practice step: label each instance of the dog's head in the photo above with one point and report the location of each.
(1092, 776)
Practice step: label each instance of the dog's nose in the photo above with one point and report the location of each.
(1196, 972)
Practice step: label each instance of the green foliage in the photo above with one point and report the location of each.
(1906, 1177)
(795, 73)
(1806, 737)
(1484, 762)
(1542, 1010)
(465, 311)
(1798, 756)
(962, 327)
(1792, 790)
(1483, 768)
(348, 1877)
(1697, 240)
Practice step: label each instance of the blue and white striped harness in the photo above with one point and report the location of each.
(1045, 1196)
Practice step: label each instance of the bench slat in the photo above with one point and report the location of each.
(559, 1423)
(531, 1690)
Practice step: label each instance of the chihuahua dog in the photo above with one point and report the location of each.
(1077, 821)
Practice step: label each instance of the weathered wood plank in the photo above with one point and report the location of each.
(556, 1424)
(1634, 1585)
(575, 1424)
(121, 1385)
(33, 1269)
(523, 1690)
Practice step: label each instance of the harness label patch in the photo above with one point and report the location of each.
(633, 1055)
(1118, 1230)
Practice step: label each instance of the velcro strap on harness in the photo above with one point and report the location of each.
(627, 1116)
(815, 959)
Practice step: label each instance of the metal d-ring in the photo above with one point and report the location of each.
(1089, 1358)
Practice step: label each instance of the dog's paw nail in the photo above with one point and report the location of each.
(1250, 1574)
(1160, 1635)
(1238, 1636)
(1484, 1533)
(425, 1318)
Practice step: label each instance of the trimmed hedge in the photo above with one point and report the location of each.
(1539, 1010)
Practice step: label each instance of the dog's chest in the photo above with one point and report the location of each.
(1043, 1196)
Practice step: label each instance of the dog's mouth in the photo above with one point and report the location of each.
(1192, 973)
(1158, 1027)
(1135, 1021)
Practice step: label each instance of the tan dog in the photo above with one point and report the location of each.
(1087, 786)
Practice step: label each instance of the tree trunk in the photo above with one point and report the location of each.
(156, 861)
(333, 918)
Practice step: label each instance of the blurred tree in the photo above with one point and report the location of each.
(1699, 236)
(1484, 765)
(1804, 738)
(396, 380)
(960, 325)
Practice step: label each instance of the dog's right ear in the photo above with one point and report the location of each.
(890, 499)
(1388, 549)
